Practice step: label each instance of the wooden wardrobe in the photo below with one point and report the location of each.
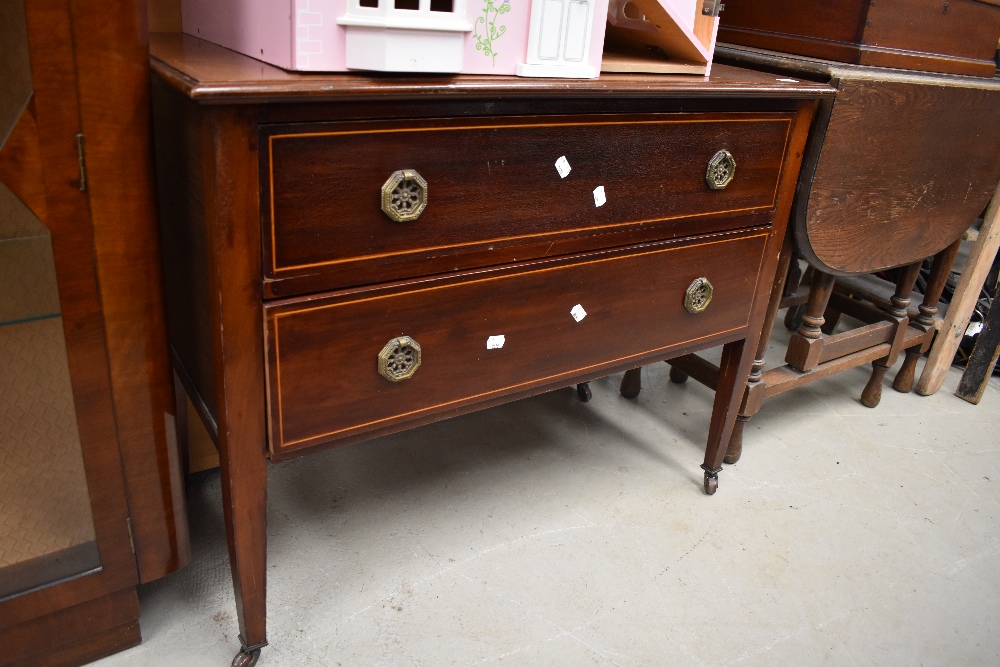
(91, 493)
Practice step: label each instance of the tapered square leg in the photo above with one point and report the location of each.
(734, 368)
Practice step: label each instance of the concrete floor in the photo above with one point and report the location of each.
(550, 532)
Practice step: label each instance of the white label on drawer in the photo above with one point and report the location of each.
(578, 312)
(495, 342)
(788, 80)
(599, 197)
(562, 166)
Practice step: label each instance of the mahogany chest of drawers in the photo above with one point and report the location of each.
(350, 256)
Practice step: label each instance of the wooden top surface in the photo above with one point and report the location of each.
(210, 73)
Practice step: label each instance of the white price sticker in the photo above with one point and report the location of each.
(495, 342)
(562, 166)
(599, 196)
(578, 312)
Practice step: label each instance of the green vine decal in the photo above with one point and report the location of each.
(488, 22)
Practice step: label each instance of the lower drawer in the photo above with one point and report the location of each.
(481, 336)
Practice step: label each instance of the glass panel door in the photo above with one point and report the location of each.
(46, 526)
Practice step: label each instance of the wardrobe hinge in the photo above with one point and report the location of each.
(83, 163)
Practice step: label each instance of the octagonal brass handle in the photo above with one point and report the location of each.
(399, 359)
(404, 195)
(721, 170)
(698, 295)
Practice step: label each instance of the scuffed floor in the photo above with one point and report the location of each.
(551, 532)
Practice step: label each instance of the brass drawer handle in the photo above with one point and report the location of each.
(404, 195)
(721, 170)
(399, 359)
(698, 295)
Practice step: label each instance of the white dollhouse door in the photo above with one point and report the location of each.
(559, 39)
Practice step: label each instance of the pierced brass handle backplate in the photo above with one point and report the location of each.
(399, 359)
(721, 170)
(404, 195)
(698, 295)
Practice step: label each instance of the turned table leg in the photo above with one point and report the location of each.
(734, 449)
(903, 382)
(897, 312)
(806, 345)
(787, 279)
(940, 269)
(631, 383)
(795, 278)
(677, 376)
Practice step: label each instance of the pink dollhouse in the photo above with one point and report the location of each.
(548, 38)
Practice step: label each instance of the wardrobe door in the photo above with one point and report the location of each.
(67, 567)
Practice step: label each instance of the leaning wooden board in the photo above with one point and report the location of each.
(982, 361)
(963, 302)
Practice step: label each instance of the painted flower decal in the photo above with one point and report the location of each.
(487, 24)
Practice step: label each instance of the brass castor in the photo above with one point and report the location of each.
(677, 376)
(711, 483)
(246, 659)
(583, 391)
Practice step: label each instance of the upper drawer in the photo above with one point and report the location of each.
(494, 193)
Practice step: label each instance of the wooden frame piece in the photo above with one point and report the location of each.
(964, 300)
(982, 361)
(80, 159)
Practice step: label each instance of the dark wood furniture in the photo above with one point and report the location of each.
(953, 36)
(92, 500)
(983, 359)
(899, 164)
(298, 308)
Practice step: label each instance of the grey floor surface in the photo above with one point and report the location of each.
(550, 532)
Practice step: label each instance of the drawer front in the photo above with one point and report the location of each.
(494, 194)
(324, 353)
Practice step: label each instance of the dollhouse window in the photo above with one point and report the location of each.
(405, 35)
(445, 13)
